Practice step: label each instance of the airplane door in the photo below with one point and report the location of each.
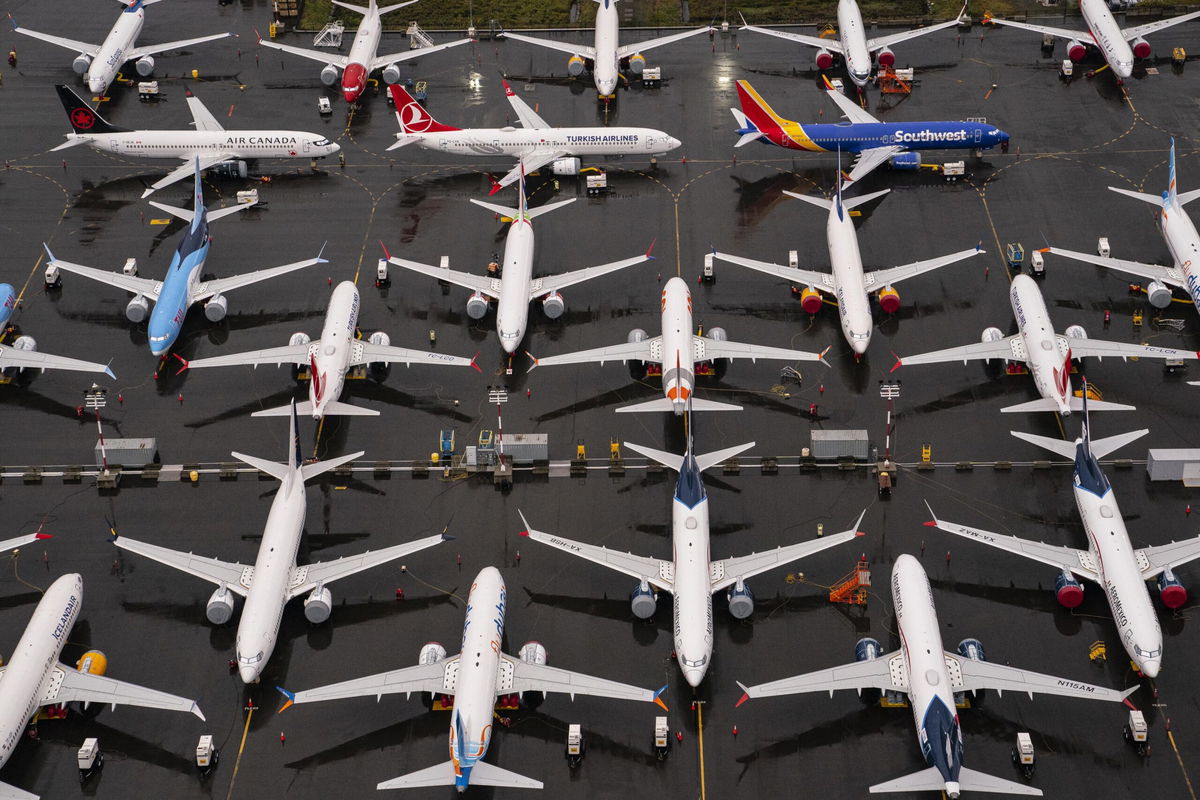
(650, 144)
(978, 136)
(307, 146)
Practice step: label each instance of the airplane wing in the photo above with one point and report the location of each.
(32, 359)
(306, 578)
(729, 571)
(202, 118)
(868, 160)
(316, 55)
(21, 541)
(564, 47)
(207, 289)
(530, 162)
(363, 352)
(539, 287)
(1010, 349)
(1082, 348)
(186, 170)
(1062, 33)
(519, 676)
(878, 673)
(1168, 275)
(67, 685)
(976, 675)
(151, 49)
(527, 116)
(853, 111)
(648, 350)
(625, 51)
(479, 283)
(70, 44)
(383, 61)
(288, 354)
(1150, 27)
(893, 275)
(10, 792)
(1154, 560)
(896, 38)
(223, 573)
(440, 678)
(129, 283)
(817, 280)
(832, 45)
(1080, 562)
(704, 349)
(657, 572)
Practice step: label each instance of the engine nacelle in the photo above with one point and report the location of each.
(216, 308)
(431, 653)
(565, 166)
(231, 169)
(889, 300)
(885, 57)
(553, 305)
(824, 59)
(138, 309)
(298, 339)
(533, 653)
(26, 343)
(318, 604)
(810, 300)
(972, 649)
(477, 305)
(1075, 50)
(1075, 332)
(93, 662)
(1140, 47)
(717, 335)
(576, 66)
(741, 600)
(1172, 592)
(867, 649)
(145, 66)
(637, 63)
(81, 63)
(637, 369)
(636, 335)
(991, 335)
(643, 600)
(1159, 294)
(220, 606)
(1067, 590)
(391, 73)
(379, 369)
(329, 74)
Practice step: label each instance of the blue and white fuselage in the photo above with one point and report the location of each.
(179, 285)
(8, 303)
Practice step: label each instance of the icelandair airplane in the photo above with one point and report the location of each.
(874, 142)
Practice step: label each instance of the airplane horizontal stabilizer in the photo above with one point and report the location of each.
(663, 404)
(927, 780)
(275, 469)
(707, 460)
(513, 213)
(1098, 405)
(1186, 197)
(972, 781)
(303, 407)
(1058, 446)
(321, 467)
(10, 792)
(482, 774)
(1153, 199)
(338, 408)
(1045, 404)
(669, 460)
(1102, 447)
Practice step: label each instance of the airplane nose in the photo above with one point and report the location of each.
(248, 674)
(860, 346)
(694, 677)
(673, 142)
(352, 94)
(334, 147)
(96, 85)
(1150, 667)
(607, 88)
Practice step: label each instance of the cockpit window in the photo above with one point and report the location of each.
(321, 143)
(1147, 653)
(700, 662)
(251, 659)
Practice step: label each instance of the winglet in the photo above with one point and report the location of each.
(932, 523)
(112, 533)
(662, 705)
(507, 89)
(108, 370)
(828, 84)
(524, 522)
(474, 365)
(532, 358)
(183, 361)
(745, 694)
(291, 699)
(651, 248)
(1125, 696)
(821, 358)
(321, 253)
(44, 535)
(495, 186)
(898, 364)
(386, 254)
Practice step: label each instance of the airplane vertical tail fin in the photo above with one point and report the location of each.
(83, 118)
(838, 199)
(198, 208)
(756, 111)
(522, 200)
(297, 458)
(1171, 195)
(412, 116)
(1085, 423)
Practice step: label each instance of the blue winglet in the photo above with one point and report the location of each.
(291, 698)
(658, 696)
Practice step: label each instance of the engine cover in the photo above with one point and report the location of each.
(810, 300)
(991, 335)
(431, 653)
(553, 305)
(318, 605)
(575, 66)
(138, 309)
(637, 369)
(741, 600)
(1141, 48)
(81, 63)
(145, 66)
(26, 343)
(1075, 50)
(391, 73)
(889, 300)
(637, 63)
(824, 59)
(216, 308)
(533, 653)
(220, 606)
(717, 335)
(1075, 332)
(885, 57)
(867, 649)
(477, 305)
(972, 649)
(231, 169)
(1067, 590)
(1159, 294)
(329, 74)
(93, 662)
(380, 339)
(1172, 592)
(643, 600)
(636, 335)
(299, 338)
(565, 166)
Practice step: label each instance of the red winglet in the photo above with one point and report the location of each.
(523, 533)
(745, 697)
(897, 365)
(259, 35)
(650, 249)
(860, 533)
(45, 535)
(495, 186)
(474, 365)
(183, 361)
(507, 89)
(386, 254)
(1131, 705)
(930, 524)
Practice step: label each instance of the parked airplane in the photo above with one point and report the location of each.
(34, 677)
(874, 142)
(21, 541)
(691, 576)
(182, 286)
(1183, 242)
(331, 357)
(848, 284)
(677, 345)
(1046, 354)
(931, 676)
(606, 57)
(1104, 33)
(852, 43)
(475, 683)
(357, 65)
(516, 287)
(99, 64)
(274, 578)
(1110, 560)
(23, 354)
(534, 144)
(210, 143)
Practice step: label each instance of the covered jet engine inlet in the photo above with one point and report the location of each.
(298, 338)
(741, 600)
(719, 365)
(824, 59)
(216, 308)
(81, 63)
(26, 343)
(220, 606)
(391, 73)
(145, 66)
(1067, 590)
(1172, 592)
(329, 74)
(810, 300)
(637, 63)
(1075, 332)
(643, 600)
(565, 166)
(717, 335)
(379, 369)
(637, 369)
(1075, 50)
(885, 57)
(477, 305)
(533, 653)
(137, 309)
(889, 300)
(93, 662)
(1159, 294)
(991, 335)
(1141, 48)
(972, 649)
(231, 169)
(868, 649)
(553, 305)
(318, 604)
(431, 653)
(575, 66)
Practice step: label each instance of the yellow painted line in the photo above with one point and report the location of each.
(241, 748)
(700, 729)
(166, 221)
(1182, 768)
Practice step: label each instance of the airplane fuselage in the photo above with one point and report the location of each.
(331, 359)
(853, 37)
(678, 352)
(8, 303)
(512, 307)
(855, 137)
(1179, 232)
(693, 616)
(478, 672)
(362, 53)
(606, 69)
(1050, 370)
(183, 275)
(1107, 36)
(854, 307)
(202, 144)
(519, 142)
(112, 53)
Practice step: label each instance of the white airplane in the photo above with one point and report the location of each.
(691, 576)
(677, 345)
(517, 288)
(606, 57)
(23, 354)
(931, 676)
(98, 64)
(21, 541)
(475, 683)
(1119, 47)
(1183, 242)
(1046, 354)
(209, 142)
(362, 60)
(34, 677)
(274, 578)
(534, 144)
(1110, 560)
(852, 43)
(331, 357)
(848, 284)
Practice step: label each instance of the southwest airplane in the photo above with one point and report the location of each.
(931, 676)
(677, 345)
(691, 576)
(873, 141)
(1046, 354)
(331, 357)
(606, 56)
(1104, 33)
(848, 284)
(1178, 231)
(182, 286)
(475, 683)
(362, 60)
(34, 676)
(517, 288)
(209, 142)
(98, 64)
(23, 353)
(274, 578)
(1110, 560)
(535, 144)
(852, 43)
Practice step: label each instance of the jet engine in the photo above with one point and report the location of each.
(431, 653)
(741, 600)
(720, 365)
(298, 339)
(1075, 50)
(379, 369)
(533, 653)
(553, 305)
(889, 300)
(1141, 48)
(81, 63)
(216, 308)
(885, 57)
(575, 66)
(220, 606)
(868, 649)
(145, 66)
(318, 604)
(972, 650)
(137, 309)
(1159, 294)
(717, 335)
(477, 305)
(637, 369)
(231, 169)
(1075, 332)
(643, 600)
(565, 166)
(810, 300)
(329, 74)
(991, 335)
(824, 59)
(26, 343)
(93, 662)
(1067, 590)
(391, 73)
(637, 63)
(1172, 592)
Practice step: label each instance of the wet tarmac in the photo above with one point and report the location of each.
(1069, 141)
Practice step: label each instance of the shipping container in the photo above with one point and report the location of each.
(830, 445)
(1173, 464)
(128, 452)
(525, 448)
